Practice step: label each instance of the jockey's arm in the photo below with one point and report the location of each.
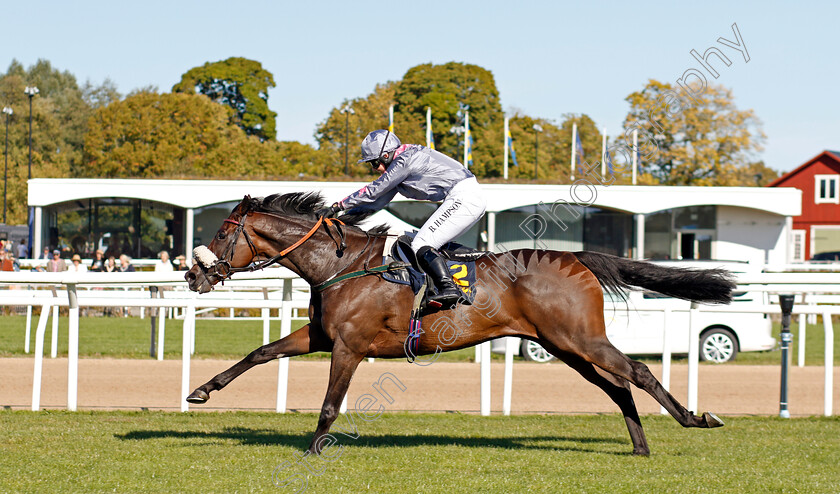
(377, 194)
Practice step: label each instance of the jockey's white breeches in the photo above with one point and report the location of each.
(461, 209)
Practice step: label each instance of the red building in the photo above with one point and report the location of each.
(817, 231)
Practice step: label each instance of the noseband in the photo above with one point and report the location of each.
(222, 267)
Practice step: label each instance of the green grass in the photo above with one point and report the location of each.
(237, 452)
(128, 337)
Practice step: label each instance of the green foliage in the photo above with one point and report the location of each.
(59, 124)
(691, 141)
(755, 173)
(152, 135)
(90, 131)
(369, 113)
(242, 85)
(100, 96)
(555, 147)
(449, 90)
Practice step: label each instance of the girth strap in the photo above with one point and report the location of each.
(358, 274)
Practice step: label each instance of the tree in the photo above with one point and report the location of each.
(59, 122)
(369, 113)
(757, 174)
(99, 96)
(450, 90)
(150, 135)
(526, 143)
(691, 140)
(242, 85)
(153, 135)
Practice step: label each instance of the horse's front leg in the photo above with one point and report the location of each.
(342, 367)
(305, 340)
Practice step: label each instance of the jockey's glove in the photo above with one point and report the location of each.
(329, 211)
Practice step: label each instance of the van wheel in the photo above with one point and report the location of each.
(533, 351)
(718, 345)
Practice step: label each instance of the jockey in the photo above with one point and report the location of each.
(418, 172)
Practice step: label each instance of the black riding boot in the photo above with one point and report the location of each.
(435, 266)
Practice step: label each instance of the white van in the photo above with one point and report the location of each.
(636, 326)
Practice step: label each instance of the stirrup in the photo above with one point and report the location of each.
(443, 300)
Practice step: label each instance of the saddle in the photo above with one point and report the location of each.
(460, 260)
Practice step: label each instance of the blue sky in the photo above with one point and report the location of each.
(548, 58)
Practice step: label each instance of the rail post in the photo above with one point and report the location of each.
(153, 315)
(72, 347)
(187, 339)
(786, 303)
(283, 362)
(666, 355)
(693, 356)
(507, 391)
(485, 378)
(829, 362)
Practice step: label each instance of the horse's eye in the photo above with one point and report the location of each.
(221, 236)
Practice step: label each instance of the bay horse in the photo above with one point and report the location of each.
(553, 298)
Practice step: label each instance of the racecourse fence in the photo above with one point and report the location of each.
(280, 289)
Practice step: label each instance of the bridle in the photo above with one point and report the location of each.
(223, 269)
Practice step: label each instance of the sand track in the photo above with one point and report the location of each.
(538, 388)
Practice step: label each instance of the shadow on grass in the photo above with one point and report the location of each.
(261, 437)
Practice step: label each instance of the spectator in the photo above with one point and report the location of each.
(45, 254)
(6, 261)
(125, 264)
(77, 265)
(56, 264)
(22, 250)
(182, 263)
(111, 265)
(98, 264)
(164, 265)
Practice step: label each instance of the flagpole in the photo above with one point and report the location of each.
(391, 118)
(429, 127)
(635, 153)
(466, 137)
(574, 140)
(507, 132)
(604, 155)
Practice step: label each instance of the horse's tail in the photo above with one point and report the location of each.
(697, 285)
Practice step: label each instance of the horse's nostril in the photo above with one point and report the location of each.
(190, 277)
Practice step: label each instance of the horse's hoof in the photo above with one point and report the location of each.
(198, 397)
(641, 452)
(712, 420)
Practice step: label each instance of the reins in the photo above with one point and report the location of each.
(223, 268)
(329, 222)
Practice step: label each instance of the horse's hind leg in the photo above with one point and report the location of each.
(618, 390)
(304, 340)
(603, 354)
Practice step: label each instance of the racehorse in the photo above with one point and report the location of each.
(553, 298)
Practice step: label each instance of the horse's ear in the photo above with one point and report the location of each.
(247, 204)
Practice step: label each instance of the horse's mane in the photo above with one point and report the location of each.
(306, 205)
